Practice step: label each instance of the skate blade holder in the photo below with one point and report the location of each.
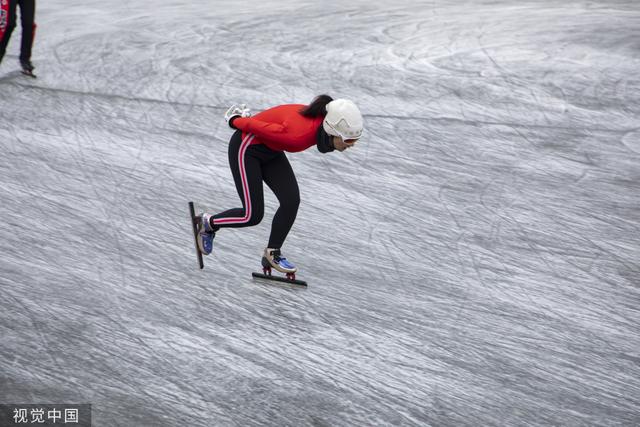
(289, 279)
(267, 272)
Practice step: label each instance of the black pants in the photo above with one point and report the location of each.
(250, 165)
(27, 16)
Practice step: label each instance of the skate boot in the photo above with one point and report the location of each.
(273, 258)
(27, 67)
(206, 233)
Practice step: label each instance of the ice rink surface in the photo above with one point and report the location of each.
(475, 261)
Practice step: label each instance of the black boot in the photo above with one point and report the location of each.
(27, 65)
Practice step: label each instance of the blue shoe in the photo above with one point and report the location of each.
(205, 234)
(277, 261)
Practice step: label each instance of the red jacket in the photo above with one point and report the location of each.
(281, 128)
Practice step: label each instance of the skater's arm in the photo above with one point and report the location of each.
(272, 131)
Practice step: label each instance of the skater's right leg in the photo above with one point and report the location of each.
(247, 174)
(10, 25)
(245, 163)
(206, 233)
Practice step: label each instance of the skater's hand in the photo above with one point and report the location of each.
(236, 111)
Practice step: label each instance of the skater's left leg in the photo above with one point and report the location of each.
(279, 176)
(27, 17)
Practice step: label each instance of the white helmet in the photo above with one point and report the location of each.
(343, 119)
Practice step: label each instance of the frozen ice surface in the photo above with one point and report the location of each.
(474, 262)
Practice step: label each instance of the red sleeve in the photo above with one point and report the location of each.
(281, 128)
(270, 131)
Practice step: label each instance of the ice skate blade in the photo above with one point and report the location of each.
(192, 212)
(280, 279)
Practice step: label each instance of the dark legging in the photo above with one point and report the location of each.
(27, 16)
(251, 164)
